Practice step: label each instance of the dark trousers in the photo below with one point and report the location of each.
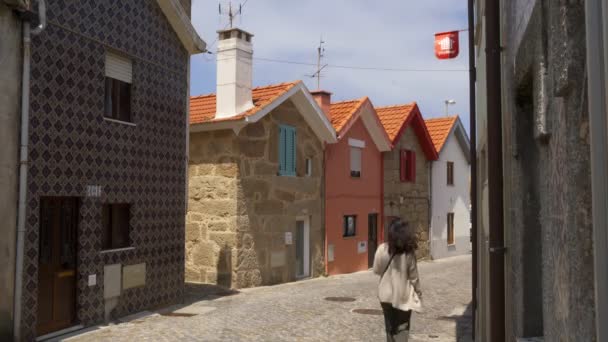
(397, 323)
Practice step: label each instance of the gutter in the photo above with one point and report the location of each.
(23, 163)
(497, 249)
(473, 158)
(597, 64)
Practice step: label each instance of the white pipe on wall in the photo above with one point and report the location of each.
(23, 164)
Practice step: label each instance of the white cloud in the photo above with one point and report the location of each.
(385, 34)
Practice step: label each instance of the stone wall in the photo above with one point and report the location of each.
(240, 209)
(547, 187)
(408, 200)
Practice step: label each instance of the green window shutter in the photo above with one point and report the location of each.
(287, 150)
(282, 145)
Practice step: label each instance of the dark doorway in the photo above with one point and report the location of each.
(57, 263)
(372, 238)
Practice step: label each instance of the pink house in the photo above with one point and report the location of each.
(353, 184)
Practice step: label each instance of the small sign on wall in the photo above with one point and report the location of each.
(288, 238)
(93, 190)
(362, 247)
(92, 280)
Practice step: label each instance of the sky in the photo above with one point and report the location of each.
(396, 34)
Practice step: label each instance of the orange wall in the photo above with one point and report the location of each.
(351, 196)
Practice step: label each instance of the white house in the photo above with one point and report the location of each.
(450, 188)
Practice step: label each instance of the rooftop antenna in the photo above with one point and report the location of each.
(320, 55)
(230, 13)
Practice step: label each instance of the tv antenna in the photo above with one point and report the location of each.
(320, 55)
(229, 12)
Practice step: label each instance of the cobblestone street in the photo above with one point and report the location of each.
(300, 312)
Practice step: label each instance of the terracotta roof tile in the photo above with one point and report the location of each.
(393, 117)
(439, 129)
(202, 107)
(341, 112)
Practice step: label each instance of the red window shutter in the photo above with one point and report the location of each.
(402, 165)
(413, 166)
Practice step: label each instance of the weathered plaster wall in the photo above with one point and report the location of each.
(547, 173)
(10, 114)
(450, 199)
(408, 200)
(240, 209)
(346, 195)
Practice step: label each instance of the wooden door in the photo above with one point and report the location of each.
(57, 264)
(372, 238)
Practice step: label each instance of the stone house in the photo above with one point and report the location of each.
(353, 184)
(407, 170)
(450, 192)
(101, 212)
(541, 163)
(256, 202)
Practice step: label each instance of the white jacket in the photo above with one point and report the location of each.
(400, 285)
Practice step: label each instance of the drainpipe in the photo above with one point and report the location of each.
(430, 211)
(473, 156)
(382, 221)
(495, 173)
(324, 197)
(23, 163)
(597, 61)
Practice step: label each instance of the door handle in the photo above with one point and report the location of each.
(497, 250)
(64, 274)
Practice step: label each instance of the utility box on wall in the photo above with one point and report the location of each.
(134, 276)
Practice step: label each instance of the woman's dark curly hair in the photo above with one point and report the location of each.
(401, 239)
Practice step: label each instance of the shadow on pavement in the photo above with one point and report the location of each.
(464, 324)
(197, 292)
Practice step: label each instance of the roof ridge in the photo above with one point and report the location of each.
(397, 105)
(360, 99)
(277, 84)
(452, 117)
(257, 87)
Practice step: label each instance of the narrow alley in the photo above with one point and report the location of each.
(301, 311)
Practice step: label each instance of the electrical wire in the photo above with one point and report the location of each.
(359, 67)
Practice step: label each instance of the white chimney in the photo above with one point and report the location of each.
(234, 73)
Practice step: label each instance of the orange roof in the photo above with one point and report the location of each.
(393, 118)
(341, 112)
(439, 129)
(202, 107)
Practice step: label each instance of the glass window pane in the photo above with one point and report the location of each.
(125, 102)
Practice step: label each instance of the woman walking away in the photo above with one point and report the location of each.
(399, 288)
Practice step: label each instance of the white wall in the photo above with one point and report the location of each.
(450, 198)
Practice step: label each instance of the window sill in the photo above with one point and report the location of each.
(124, 249)
(120, 121)
(350, 237)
